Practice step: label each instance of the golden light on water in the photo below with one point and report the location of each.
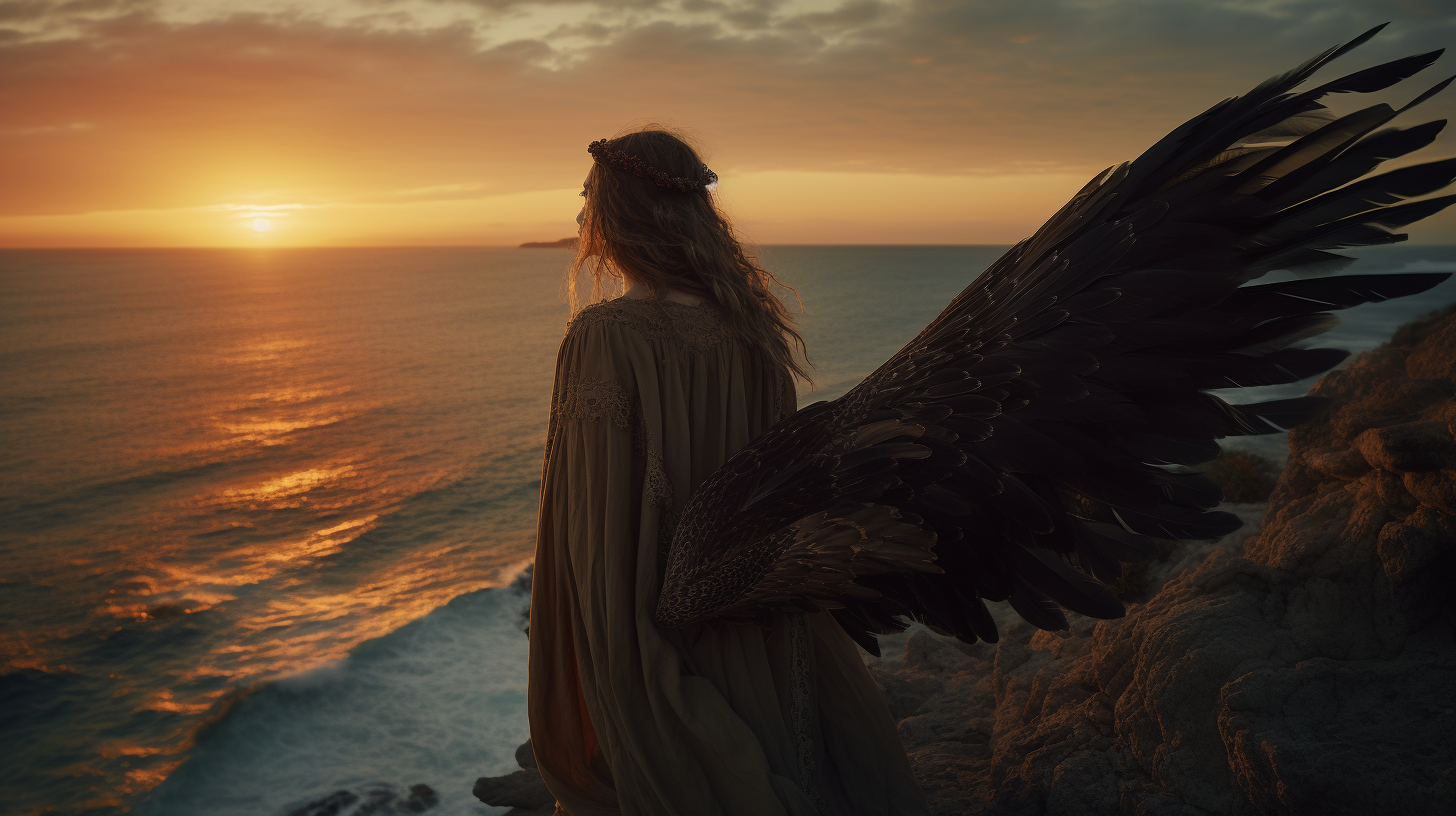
(257, 504)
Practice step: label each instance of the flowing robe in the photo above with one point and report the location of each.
(717, 720)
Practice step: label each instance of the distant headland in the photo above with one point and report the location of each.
(564, 243)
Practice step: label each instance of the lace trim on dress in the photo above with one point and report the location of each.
(700, 327)
(588, 400)
(655, 483)
(801, 707)
(788, 397)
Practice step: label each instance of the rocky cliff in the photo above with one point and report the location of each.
(1305, 665)
(1310, 668)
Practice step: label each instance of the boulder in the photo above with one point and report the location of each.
(524, 791)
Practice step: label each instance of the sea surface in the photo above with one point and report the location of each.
(261, 511)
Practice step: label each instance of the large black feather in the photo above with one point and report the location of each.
(1016, 449)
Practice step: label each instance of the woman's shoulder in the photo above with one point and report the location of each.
(699, 326)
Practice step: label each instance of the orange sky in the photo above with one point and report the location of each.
(363, 122)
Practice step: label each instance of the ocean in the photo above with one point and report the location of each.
(263, 513)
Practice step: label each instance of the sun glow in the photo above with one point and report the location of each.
(772, 206)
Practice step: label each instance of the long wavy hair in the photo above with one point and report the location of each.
(633, 230)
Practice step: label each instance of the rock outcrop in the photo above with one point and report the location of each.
(524, 792)
(561, 243)
(1310, 668)
(378, 799)
(1305, 667)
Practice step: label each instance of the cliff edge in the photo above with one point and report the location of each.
(1310, 668)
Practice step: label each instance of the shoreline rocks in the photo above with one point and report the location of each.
(524, 792)
(372, 800)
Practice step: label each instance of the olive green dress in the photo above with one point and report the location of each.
(629, 718)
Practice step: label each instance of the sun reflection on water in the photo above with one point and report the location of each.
(294, 396)
(264, 350)
(144, 779)
(293, 484)
(261, 467)
(163, 700)
(270, 431)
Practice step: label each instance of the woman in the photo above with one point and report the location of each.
(654, 390)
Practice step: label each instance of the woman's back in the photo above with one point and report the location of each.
(651, 397)
(701, 393)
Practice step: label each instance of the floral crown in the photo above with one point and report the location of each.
(618, 160)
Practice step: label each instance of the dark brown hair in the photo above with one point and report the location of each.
(666, 239)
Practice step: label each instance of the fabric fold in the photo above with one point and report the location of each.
(626, 718)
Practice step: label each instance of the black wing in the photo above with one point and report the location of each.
(1018, 446)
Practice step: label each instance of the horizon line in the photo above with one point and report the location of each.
(518, 246)
(463, 246)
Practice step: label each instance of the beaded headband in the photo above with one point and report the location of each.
(618, 160)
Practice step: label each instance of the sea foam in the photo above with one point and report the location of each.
(437, 702)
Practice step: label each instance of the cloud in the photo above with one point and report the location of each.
(413, 100)
(48, 130)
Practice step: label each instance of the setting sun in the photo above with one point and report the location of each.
(262, 225)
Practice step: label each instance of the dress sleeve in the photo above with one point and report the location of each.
(583, 592)
(595, 391)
